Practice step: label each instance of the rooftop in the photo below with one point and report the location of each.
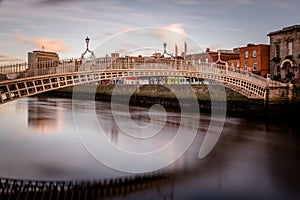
(285, 30)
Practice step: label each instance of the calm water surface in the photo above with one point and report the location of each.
(39, 140)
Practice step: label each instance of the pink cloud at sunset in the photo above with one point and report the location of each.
(6, 59)
(176, 28)
(171, 34)
(48, 44)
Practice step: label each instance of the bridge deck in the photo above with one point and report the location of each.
(248, 84)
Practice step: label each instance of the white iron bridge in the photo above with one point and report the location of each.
(46, 79)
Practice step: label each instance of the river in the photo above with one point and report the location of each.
(43, 138)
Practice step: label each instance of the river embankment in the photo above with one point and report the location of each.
(147, 95)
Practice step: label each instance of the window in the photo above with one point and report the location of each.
(246, 54)
(290, 48)
(254, 54)
(246, 66)
(237, 64)
(231, 64)
(277, 50)
(254, 66)
(206, 60)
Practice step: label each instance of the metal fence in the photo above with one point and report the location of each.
(85, 190)
(24, 70)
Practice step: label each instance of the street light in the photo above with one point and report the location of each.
(87, 40)
(165, 45)
(165, 50)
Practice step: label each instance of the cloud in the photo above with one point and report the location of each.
(20, 37)
(216, 2)
(48, 44)
(125, 28)
(7, 59)
(187, 2)
(171, 34)
(48, 2)
(103, 36)
(176, 28)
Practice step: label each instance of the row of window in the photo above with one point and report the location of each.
(253, 54)
(289, 49)
(254, 66)
(237, 64)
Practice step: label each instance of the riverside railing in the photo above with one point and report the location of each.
(84, 190)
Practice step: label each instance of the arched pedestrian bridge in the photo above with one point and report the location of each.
(243, 82)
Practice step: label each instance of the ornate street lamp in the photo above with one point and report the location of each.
(165, 47)
(87, 40)
(165, 50)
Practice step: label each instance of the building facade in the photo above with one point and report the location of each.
(285, 54)
(219, 57)
(157, 60)
(42, 62)
(255, 58)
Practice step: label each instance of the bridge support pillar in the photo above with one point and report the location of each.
(290, 92)
(266, 104)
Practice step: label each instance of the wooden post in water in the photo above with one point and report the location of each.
(266, 100)
(290, 94)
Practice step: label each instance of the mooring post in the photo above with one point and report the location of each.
(290, 92)
(266, 100)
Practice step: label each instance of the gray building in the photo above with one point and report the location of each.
(42, 62)
(285, 54)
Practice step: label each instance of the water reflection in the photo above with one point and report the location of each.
(250, 159)
(43, 115)
(141, 117)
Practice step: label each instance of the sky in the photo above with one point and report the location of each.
(118, 25)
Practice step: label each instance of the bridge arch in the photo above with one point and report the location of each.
(245, 83)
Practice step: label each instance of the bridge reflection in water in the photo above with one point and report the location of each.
(250, 160)
(44, 118)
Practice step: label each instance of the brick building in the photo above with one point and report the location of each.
(285, 54)
(255, 58)
(213, 56)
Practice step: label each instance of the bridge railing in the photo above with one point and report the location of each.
(230, 72)
(41, 68)
(24, 70)
(12, 71)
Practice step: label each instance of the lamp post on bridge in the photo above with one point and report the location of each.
(165, 50)
(89, 64)
(221, 61)
(87, 40)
